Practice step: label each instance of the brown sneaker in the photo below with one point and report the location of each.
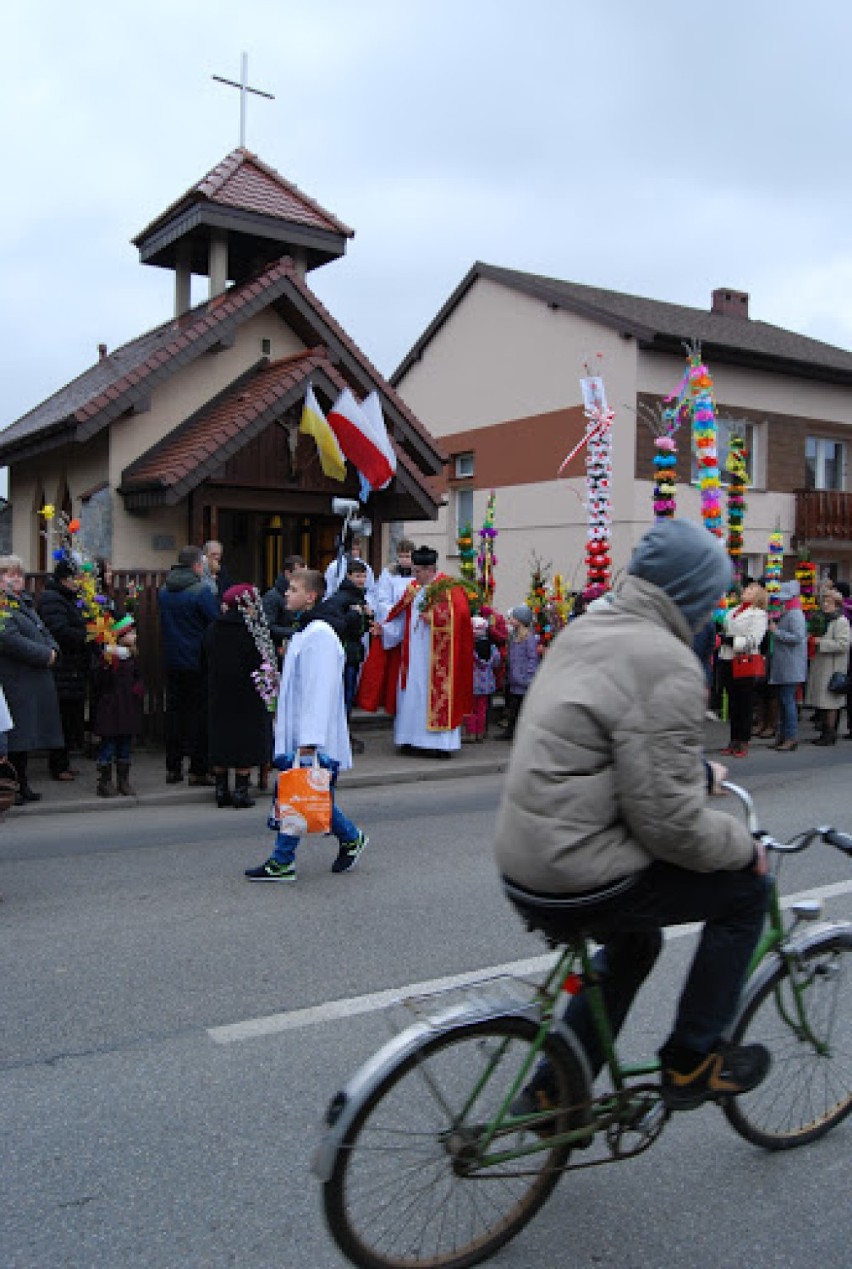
(725, 1072)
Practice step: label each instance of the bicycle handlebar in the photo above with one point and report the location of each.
(833, 836)
(841, 840)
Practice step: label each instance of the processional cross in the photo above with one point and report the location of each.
(244, 89)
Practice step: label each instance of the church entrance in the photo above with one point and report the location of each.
(256, 543)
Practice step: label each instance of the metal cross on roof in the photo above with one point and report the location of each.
(244, 88)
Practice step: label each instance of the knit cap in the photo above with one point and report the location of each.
(687, 562)
(522, 613)
(789, 590)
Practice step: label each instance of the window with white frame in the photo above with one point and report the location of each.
(464, 466)
(463, 508)
(825, 463)
(725, 429)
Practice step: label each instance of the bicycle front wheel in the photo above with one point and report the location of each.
(804, 1017)
(407, 1189)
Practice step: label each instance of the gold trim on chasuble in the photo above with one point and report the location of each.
(441, 668)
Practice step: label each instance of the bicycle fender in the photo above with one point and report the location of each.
(804, 941)
(566, 1036)
(346, 1104)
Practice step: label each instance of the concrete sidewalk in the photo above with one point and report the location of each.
(380, 763)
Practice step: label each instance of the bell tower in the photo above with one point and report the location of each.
(236, 221)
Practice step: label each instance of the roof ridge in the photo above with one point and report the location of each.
(215, 315)
(366, 364)
(241, 157)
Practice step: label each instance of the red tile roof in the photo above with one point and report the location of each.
(333, 327)
(124, 380)
(242, 180)
(189, 454)
(117, 383)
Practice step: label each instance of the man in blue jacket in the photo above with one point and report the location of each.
(187, 606)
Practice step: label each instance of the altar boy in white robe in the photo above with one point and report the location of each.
(311, 718)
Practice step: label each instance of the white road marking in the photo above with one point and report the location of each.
(350, 1007)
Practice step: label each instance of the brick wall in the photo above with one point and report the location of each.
(785, 438)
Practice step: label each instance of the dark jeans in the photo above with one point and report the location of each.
(740, 704)
(72, 715)
(513, 708)
(19, 759)
(117, 747)
(186, 720)
(350, 685)
(732, 906)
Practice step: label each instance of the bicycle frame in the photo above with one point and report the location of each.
(574, 971)
(563, 977)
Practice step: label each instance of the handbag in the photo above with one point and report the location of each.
(839, 683)
(8, 785)
(749, 665)
(302, 802)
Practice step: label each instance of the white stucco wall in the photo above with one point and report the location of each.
(502, 355)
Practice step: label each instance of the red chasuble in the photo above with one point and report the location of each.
(450, 660)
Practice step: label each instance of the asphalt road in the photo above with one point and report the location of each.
(145, 1123)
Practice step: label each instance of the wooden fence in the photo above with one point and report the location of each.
(146, 613)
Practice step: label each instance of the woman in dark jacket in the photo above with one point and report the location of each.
(27, 651)
(57, 606)
(239, 726)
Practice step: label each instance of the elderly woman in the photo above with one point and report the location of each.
(789, 666)
(239, 726)
(745, 626)
(27, 652)
(832, 653)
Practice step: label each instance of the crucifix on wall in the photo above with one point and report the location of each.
(243, 86)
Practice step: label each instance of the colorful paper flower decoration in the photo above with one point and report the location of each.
(773, 569)
(736, 465)
(704, 437)
(486, 559)
(467, 554)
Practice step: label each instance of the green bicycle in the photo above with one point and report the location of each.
(423, 1162)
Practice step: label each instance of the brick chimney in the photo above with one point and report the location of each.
(729, 303)
(102, 351)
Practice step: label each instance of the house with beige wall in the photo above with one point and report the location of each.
(496, 378)
(191, 430)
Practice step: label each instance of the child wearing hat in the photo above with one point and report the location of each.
(118, 715)
(486, 659)
(524, 658)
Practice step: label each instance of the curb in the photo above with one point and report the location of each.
(186, 796)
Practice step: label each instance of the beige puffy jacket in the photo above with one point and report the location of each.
(606, 772)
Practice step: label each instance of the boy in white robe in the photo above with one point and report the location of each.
(311, 719)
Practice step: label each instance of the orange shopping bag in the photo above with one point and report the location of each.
(303, 799)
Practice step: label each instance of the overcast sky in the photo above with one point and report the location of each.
(661, 148)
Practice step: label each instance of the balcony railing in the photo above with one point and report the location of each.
(823, 513)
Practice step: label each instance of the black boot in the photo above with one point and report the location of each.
(828, 737)
(106, 788)
(240, 798)
(223, 793)
(125, 788)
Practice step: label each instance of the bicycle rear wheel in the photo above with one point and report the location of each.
(809, 1086)
(406, 1190)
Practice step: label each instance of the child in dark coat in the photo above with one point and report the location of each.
(118, 715)
(486, 659)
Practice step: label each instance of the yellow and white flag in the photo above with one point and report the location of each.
(315, 424)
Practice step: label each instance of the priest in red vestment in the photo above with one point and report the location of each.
(431, 626)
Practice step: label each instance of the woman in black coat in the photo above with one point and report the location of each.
(57, 606)
(27, 651)
(239, 726)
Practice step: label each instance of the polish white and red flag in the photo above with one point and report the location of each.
(363, 437)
